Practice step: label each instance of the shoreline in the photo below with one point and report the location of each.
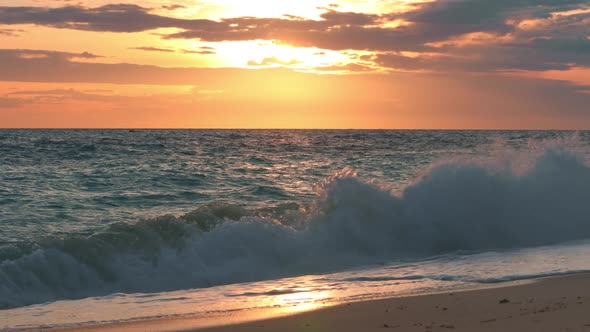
(559, 303)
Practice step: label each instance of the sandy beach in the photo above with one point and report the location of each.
(549, 304)
(553, 304)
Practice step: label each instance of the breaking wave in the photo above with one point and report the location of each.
(457, 206)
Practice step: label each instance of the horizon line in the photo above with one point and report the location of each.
(342, 129)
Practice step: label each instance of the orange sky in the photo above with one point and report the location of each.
(295, 64)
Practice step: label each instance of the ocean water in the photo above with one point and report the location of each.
(117, 225)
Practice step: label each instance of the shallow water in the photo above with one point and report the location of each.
(212, 220)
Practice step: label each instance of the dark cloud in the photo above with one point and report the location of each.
(484, 12)
(153, 49)
(201, 51)
(113, 18)
(351, 67)
(337, 31)
(132, 18)
(496, 60)
(537, 54)
(576, 46)
(349, 18)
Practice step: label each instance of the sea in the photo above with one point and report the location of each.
(112, 226)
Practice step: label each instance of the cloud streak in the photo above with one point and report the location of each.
(11, 32)
(269, 61)
(51, 66)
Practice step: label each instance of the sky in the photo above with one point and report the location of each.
(389, 64)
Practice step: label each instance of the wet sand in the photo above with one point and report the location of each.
(550, 304)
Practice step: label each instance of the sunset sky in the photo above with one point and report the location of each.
(295, 64)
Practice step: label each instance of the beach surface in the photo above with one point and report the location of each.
(549, 304)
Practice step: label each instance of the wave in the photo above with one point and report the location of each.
(467, 279)
(520, 277)
(457, 206)
(406, 278)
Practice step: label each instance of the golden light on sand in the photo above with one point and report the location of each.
(299, 302)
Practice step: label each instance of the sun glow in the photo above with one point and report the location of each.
(265, 54)
(260, 8)
(311, 9)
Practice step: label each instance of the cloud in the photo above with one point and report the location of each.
(173, 7)
(52, 66)
(336, 31)
(152, 49)
(11, 32)
(532, 35)
(112, 18)
(203, 50)
(25, 54)
(134, 18)
(350, 67)
(58, 92)
(6, 102)
(274, 61)
(55, 96)
(478, 13)
(494, 59)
